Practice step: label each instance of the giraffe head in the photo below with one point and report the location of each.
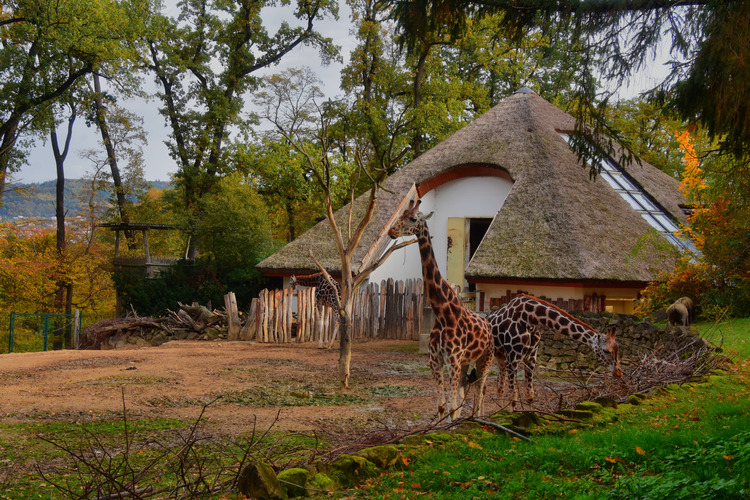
(410, 223)
(293, 281)
(608, 351)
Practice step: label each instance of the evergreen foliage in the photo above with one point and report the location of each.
(204, 281)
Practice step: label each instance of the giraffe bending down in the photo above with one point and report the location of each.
(515, 332)
(459, 336)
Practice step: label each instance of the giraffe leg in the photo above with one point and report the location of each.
(336, 327)
(529, 366)
(436, 365)
(501, 373)
(484, 364)
(454, 378)
(511, 369)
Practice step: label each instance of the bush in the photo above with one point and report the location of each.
(713, 291)
(203, 281)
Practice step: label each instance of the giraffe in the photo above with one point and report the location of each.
(325, 295)
(516, 334)
(459, 336)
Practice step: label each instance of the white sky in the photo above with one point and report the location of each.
(158, 164)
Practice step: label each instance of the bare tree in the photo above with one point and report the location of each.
(292, 102)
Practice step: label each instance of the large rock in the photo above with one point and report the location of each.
(294, 481)
(382, 456)
(349, 470)
(258, 480)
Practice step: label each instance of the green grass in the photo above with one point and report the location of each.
(688, 442)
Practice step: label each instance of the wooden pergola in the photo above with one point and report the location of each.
(150, 264)
(147, 262)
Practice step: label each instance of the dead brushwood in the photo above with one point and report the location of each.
(197, 464)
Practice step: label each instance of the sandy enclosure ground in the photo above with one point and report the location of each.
(391, 385)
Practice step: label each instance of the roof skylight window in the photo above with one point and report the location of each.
(626, 187)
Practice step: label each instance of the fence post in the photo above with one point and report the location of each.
(233, 319)
(12, 328)
(76, 329)
(46, 331)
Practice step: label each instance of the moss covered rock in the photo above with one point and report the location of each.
(637, 398)
(525, 419)
(589, 406)
(577, 414)
(349, 470)
(258, 480)
(606, 402)
(294, 481)
(382, 456)
(321, 482)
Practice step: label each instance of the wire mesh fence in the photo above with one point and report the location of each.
(39, 332)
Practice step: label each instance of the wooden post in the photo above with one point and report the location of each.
(375, 307)
(265, 300)
(233, 318)
(149, 269)
(76, 329)
(288, 311)
(277, 317)
(250, 328)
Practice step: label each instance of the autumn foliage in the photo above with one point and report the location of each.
(31, 268)
(717, 276)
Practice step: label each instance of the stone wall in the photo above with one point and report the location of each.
(636, 338)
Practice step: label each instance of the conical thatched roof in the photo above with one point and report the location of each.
(555, 224)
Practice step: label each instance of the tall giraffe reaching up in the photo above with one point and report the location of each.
(459, 336)
(515, 332)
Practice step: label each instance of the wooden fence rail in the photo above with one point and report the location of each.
(391, 310)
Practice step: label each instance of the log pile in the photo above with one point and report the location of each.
(190, 322)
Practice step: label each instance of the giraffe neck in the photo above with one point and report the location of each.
(310, 279)
(546, 314)
(438, 290)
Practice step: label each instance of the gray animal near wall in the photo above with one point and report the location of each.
(681, 312)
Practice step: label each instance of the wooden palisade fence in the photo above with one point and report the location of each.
(391, 310)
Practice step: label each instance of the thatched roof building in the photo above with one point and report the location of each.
(549, 230)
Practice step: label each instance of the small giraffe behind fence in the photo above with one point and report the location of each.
(391, 310)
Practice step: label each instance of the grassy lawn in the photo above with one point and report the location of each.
(686, 442)
(690, 441)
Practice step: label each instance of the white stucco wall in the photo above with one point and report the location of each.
(465, 197)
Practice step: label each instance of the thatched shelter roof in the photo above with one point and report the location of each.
(556, 224)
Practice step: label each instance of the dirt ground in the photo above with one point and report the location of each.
(391, 385)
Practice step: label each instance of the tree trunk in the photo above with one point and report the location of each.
(6, 148)
(63, 285)
(345, 348)
(101, 121)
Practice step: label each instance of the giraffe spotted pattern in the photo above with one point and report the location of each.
(459, 337)
(325, 294)
(515, 333)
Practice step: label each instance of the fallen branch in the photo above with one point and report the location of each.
(498, 427)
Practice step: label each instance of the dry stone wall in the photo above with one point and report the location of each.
(636, 337)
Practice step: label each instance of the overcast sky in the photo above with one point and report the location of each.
(158, 164)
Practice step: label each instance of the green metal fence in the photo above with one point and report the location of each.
(40, 332)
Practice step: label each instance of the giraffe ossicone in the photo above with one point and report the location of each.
(459, 336)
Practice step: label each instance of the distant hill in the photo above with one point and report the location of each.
(38, 199)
